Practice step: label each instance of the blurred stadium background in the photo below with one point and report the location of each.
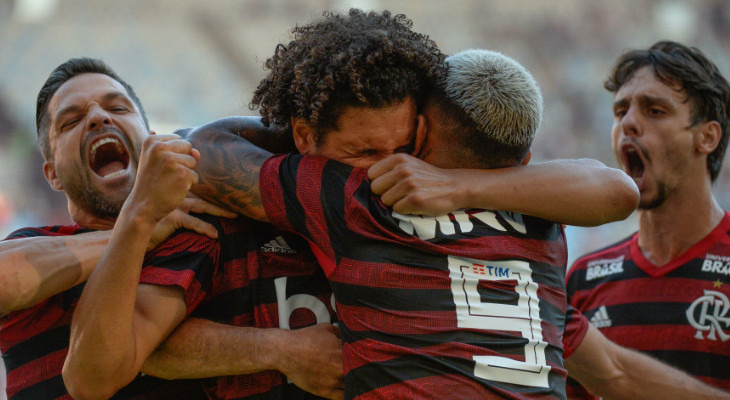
(193, 61)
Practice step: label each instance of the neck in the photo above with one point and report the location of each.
(88, 220)
(683, 220)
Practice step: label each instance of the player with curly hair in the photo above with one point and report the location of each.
(347, 62)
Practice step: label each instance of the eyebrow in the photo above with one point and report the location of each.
(644, 99)
(75, 107)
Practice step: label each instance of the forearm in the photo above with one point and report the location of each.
(575, 192)
(200, 348)
(614, 372)
(103, 355)
(228, 171)
(34, 269)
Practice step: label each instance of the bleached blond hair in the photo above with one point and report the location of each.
(497, 93)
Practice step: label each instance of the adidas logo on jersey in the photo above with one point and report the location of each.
(600, 319)
(600, 268)
(278, 245)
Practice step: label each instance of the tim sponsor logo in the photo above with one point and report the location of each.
(604, 267)
(710, 315)
(716, 264)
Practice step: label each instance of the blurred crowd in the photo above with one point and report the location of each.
(195, 61)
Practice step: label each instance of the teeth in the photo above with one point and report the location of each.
(113, 174)
(104, 141)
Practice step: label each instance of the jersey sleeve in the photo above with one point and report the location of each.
(576, 327)
(311, 196)
(186, 259)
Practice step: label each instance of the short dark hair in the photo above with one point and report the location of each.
(59, 76)
(675, 64)
(359, 60)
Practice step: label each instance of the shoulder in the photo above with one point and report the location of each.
(55, 230)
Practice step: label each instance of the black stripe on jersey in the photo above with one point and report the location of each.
(428, 300)
(695, 363)
(294, 211)
(396, 298)
(284, 392)
(644, 314)
(45, 343)
(192, 259)
(334, 178)
(503, 343)
(239, 301)
(49, 389)
(401, 369)
(577, 280)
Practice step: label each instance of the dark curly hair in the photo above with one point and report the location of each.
(706, 89)
(359, 60)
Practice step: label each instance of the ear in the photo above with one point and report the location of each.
(526, 159)
(708, 137)
(303, 136)
(49, 170)
(419, 142)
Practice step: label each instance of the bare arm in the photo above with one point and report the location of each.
(311, 357)
(36, 268)
(228, 169)
(581, 192)
(117, 322)
(614, 372)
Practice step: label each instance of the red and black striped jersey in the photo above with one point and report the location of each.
(576, 327)
(34, 342)
(678, 312)
(269, 279)
(469, 305)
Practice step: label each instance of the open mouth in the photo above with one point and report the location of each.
(633, 162)
(108, 157)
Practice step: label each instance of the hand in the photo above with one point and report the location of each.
(164, 177)
(179, 218)
(412, 186)
(313, 360)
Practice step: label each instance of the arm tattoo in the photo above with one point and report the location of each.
(229, 170)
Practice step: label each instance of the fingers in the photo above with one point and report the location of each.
(198, 225)
(198, 205)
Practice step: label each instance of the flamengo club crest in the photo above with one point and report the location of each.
(710, 315)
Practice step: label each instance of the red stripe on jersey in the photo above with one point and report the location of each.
(35, 371)
(639, 290)
(576, 327)
(400, 322)
(272, 191)
(184, 279)
(385, 275)
(237, 387)
(662, 337)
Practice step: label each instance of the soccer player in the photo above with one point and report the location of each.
(416, 293)
(91, 127)
(664, 290)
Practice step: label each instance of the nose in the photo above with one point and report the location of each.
(631, 122)
(97, 118)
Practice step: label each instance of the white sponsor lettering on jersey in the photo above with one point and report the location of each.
(604, 267)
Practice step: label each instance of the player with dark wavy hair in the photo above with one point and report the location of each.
(362, 59)
(665, 290)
